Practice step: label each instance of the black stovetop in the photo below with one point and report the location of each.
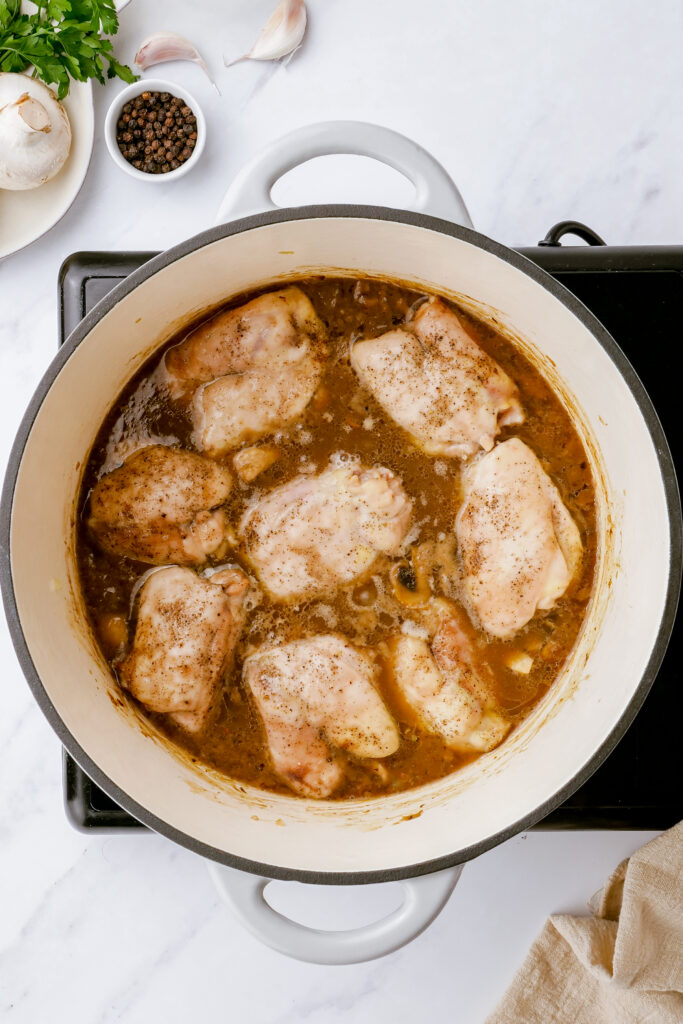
(637, 293)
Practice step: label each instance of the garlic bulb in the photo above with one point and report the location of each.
(281, 34)
(164, 46)
(35, 134)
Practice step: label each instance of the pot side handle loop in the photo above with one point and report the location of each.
(424, 898)
(435, 191)
(571, 227)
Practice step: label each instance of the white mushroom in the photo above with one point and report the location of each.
(35, 135)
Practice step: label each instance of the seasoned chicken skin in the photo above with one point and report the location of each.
(314, 533)
(436, 382)
(186, 632)
(440, 684)
(316, 696)
(255, 368)
(245, 406)
(160, 507)
(260, 333)
(519, 546)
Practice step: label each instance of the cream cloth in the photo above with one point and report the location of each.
(624, 965)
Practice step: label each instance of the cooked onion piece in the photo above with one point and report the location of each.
(410, 582)
(251, 462)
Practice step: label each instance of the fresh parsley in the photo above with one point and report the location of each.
(62, 39)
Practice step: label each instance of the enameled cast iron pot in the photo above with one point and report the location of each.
(425, 835)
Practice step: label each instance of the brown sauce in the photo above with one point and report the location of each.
(344, 417)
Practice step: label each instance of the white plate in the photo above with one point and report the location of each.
(25, 216)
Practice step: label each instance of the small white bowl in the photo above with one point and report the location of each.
(128, 94)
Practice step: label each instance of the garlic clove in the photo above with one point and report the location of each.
(166, 46)
(281, 35)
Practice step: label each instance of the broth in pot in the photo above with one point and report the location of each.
(337, 539)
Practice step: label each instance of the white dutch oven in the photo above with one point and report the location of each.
(422, 836)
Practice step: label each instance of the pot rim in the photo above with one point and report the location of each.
(540, 277)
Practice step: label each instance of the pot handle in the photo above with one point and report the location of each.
(436, 192)
(424, 898)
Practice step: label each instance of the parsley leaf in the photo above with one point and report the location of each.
(62, 40)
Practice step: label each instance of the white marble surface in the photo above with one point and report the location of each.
(541, 112)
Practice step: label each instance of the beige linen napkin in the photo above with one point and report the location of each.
(624, 965)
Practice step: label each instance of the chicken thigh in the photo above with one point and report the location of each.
(260, 333)
(314, 533)
(435, 382)
(519, 546)
(316, 696)
(186, 631)
(255, 368)
(245, 406)
(441, 686)
(160, 506)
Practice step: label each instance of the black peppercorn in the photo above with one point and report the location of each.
(156, 132)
